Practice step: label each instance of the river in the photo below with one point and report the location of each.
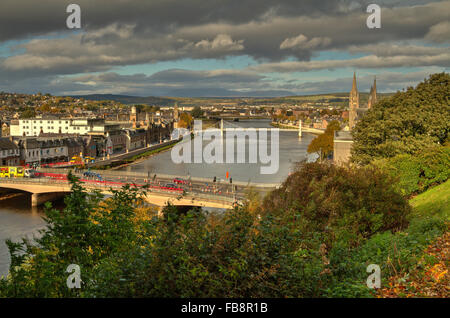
(291, 150)
(18, 219)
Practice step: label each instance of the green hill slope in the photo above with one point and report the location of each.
(435, 201)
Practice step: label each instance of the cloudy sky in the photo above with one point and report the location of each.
(219, 47)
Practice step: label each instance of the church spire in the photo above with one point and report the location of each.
(353, 104)
(373, 94)
(375, 85)
(354, 87)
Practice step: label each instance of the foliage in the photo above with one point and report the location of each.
(406, 122)
(339, 204)
(197, 112)
(400, 255)
(314, 237)
(28, 113)
(416, 173)
(324, 144)
(85, 232)
(430, 279)
(185, 120)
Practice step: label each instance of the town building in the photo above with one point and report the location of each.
(343, 142)
(33, 127)
(9, 152)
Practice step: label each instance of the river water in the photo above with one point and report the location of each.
(292, 149)
(18, 219)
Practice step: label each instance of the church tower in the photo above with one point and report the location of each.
(353, 104)
(175, 112)
(373, 94)
(133, 116)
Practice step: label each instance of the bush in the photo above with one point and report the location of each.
(416, 173)
(396, 254)
(339, 204)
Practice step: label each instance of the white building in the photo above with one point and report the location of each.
(34, 126)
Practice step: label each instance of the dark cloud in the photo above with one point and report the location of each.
(274, 38)
(281, 35)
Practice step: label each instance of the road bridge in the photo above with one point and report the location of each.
(43, 190)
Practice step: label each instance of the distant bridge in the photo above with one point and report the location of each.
(43, 190)
(283, 127)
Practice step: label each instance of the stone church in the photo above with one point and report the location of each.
(343, 140)
(355, 110)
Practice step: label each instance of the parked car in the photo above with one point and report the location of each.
(180, 181)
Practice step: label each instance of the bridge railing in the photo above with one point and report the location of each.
(130, 175)
(104, 186)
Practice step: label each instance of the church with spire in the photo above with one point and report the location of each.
(343, 140)
(355, 111)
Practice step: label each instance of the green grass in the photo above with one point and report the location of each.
(434, 202)
(150, 152)
(398, 254)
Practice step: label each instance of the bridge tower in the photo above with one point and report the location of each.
(221, 127)
(300, 128)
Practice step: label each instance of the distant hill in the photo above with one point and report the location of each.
(224, 93)
(125, 99)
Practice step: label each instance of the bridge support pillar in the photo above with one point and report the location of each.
(40, 198)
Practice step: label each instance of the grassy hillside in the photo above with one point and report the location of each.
(428, 256)
(434, 202)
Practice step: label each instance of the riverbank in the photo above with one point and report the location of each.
(132, 156)
(277, 125)
(146, 154)
(136, 158)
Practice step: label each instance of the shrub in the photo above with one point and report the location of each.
(339, 203)
(416, 173)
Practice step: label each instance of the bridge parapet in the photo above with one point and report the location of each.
(43, 190)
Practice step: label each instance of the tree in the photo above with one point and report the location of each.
(324, 144)
(185, 120)
(28, 113)
(405, 123)
(197, 112)
(87, 231)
